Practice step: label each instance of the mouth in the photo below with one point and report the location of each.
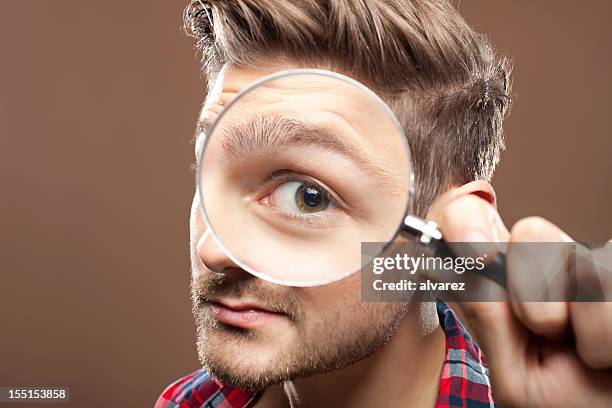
(244, 315)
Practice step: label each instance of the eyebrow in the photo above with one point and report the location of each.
(271, 132)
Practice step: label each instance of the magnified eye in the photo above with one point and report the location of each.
(300, 197)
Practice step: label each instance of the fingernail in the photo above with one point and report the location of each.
(474, 243)
(475, 236)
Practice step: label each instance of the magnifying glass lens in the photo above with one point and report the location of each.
(300, 169)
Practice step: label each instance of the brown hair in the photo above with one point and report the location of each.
(443, 81)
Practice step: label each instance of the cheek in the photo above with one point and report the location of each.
(331, 300)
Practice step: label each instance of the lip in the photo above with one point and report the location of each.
(244, 315)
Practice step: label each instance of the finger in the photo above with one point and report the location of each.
(469, 218)
(503, 341)
(538, 272)
(592, 321)
(471, 227)
(592, 325)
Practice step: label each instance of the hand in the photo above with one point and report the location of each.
(540, 354)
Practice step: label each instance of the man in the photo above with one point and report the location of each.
(266, 345)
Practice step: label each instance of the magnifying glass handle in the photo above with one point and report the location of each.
(427, 233)
(495, 270)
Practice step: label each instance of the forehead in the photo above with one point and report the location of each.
(321, 100)
(324, 93)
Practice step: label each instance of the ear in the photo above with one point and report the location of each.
(480, 188)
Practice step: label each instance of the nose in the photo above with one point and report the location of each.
(212, 256)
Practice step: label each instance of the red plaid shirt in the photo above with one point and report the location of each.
(464, 382)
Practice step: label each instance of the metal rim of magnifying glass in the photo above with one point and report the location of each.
(268, 78)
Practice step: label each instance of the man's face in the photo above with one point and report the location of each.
(252, 333)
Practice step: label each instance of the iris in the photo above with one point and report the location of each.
(311, 198)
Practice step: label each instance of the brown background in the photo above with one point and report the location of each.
(97, 104)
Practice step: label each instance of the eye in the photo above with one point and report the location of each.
(300, 197)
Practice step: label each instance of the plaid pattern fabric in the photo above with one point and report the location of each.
(464, 382)
(200, 390)
(465, 376)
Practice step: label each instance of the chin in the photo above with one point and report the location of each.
(242, 359)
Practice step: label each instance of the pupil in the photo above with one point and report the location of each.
(312, 197)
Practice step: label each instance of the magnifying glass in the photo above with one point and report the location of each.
(299, 169)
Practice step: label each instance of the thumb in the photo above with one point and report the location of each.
(497, 332)
(504, 344)
(469, 218)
